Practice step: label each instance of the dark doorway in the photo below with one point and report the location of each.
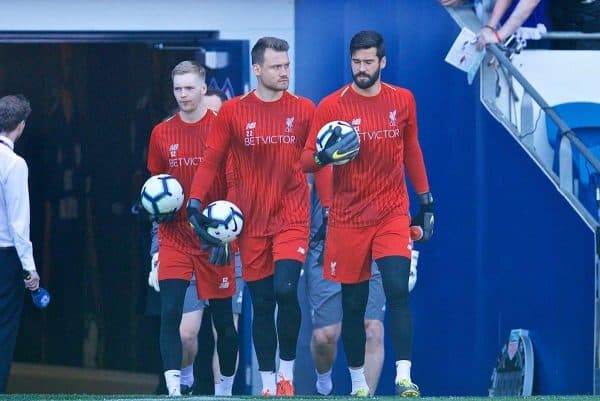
(94, 105)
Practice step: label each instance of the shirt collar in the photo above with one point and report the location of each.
(7, 141)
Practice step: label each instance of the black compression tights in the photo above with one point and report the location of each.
(281, 288)
(287, 274)
(172, 294)
(354, 304)
(227, 337)
(394, 275)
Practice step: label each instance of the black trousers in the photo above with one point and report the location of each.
(12, 293)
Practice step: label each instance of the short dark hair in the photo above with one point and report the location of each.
(13, 110)
(367, 40)
(216, 92)
(268, 42)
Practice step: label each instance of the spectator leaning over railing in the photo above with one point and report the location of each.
(492, 32)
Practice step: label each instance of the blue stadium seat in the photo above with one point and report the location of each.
(584, 119)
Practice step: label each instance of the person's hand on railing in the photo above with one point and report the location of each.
(487, 35)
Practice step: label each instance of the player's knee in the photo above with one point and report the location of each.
(170, 313)
(286, 293)
(171, 300)
(287, 273)
(374, 332)
(394, 275)
(188, 337)
(325, 336)
(224, 325)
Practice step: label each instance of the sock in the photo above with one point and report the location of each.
(224, 388)
(173, 382)
(269, 382)
(403, 370)
(324, 384)
(359, 382)
(187, 376)
(287, 368)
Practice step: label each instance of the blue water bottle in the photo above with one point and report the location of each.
(40, 297)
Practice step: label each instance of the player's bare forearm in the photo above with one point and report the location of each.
(498, 12)
(521, 12)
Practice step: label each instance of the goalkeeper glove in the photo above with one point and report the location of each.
(200, 223)
(424, 218)
(153, 275)
(320, 235)
(142, 214)
(220, 255)
(338, 148)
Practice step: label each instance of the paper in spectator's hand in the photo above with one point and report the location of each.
(464, 55)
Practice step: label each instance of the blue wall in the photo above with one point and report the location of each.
(508, 251)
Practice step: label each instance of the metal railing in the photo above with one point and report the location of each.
(567, 140)
(465, 17)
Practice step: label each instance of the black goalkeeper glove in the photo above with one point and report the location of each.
(320, 235)
(424, 218)
(338, 148)
(220, 255)
(200, 223)
(142, 214)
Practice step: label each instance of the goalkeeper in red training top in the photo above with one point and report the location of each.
(369, 214)
(176, 147)
(263, 132)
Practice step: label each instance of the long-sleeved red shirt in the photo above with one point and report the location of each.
(177, 148)
(373, 185)
(264, 141)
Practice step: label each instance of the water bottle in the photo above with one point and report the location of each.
(40, 297)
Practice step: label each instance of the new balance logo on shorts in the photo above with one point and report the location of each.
(301, 250)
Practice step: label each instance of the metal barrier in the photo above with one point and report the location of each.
(497, 67)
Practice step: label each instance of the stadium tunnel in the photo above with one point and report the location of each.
(95, 98)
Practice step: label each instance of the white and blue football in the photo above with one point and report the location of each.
(161, 194)
(230, 220)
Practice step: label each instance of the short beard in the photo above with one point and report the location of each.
(275, 88)
(369, 82)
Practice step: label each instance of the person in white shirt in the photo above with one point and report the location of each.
(16, 251)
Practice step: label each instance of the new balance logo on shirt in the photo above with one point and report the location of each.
(173, 149)
(287, 138)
